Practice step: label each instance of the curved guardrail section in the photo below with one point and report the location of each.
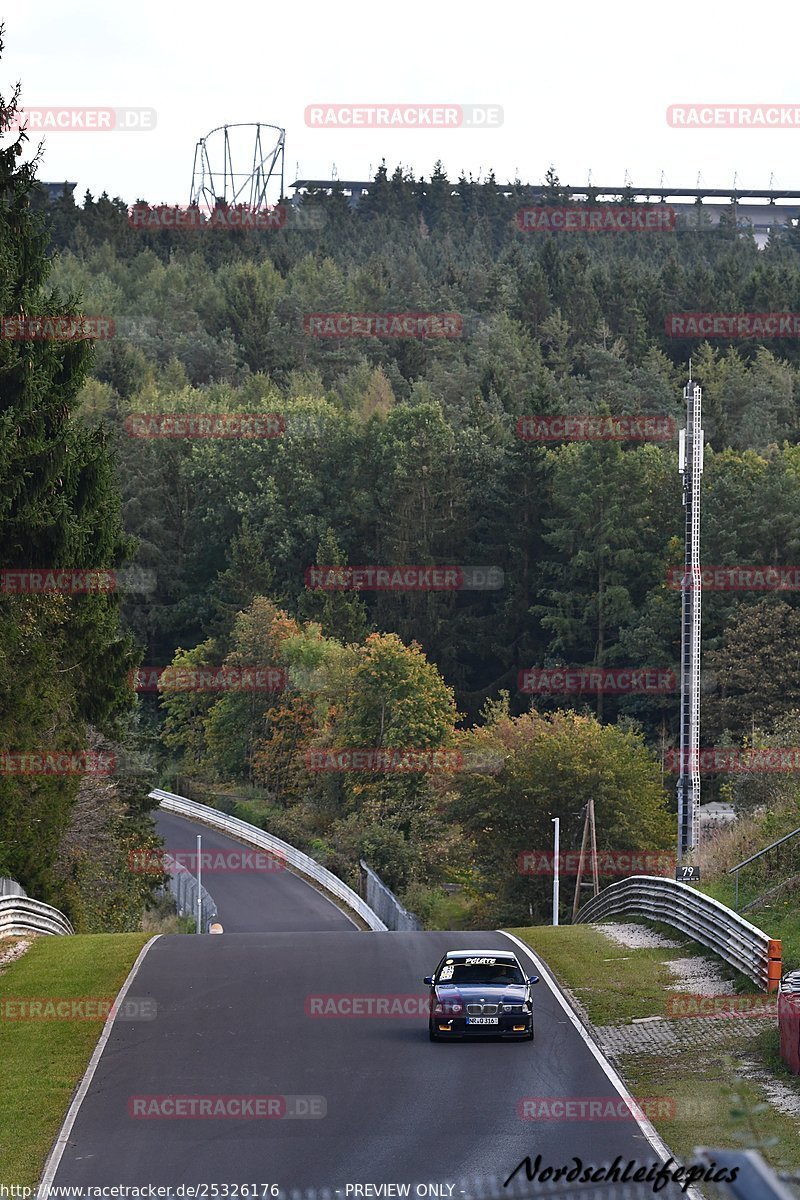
(20, 914)
(253, 836)
(710, 923)
(10, 887)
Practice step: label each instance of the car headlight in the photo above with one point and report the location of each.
(448, 1008)
(512, 1008)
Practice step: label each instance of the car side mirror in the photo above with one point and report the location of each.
(428, 979)
(533, 979)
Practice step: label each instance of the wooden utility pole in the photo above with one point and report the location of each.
(590, 837)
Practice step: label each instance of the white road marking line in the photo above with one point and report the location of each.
(647, 1128)
(60, 1144)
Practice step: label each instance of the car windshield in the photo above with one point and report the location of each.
(483, 971)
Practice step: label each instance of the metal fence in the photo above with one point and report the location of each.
(20, 914)
(10, 887)
(710, 923)
(183, 885)
(753, 857)
(384, 902)
(251, 835)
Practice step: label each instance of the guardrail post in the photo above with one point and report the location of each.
(774, 965)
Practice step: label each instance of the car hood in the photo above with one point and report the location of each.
(506, 993)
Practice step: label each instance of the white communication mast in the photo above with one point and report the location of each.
(690, 465)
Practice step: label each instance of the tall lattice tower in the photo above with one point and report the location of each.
(690, 465)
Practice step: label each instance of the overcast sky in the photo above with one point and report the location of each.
(585, 86)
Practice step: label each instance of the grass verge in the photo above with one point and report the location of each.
(43, 1060)
(717, 1076)
(780, 918)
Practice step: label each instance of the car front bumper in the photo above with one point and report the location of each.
(509, 1025)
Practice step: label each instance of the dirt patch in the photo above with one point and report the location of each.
(702, 976)
(12, 948)
(637, 937)
(779, 1094)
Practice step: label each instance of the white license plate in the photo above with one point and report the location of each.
(483, 1020)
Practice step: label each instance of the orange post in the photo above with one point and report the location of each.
(774, 966)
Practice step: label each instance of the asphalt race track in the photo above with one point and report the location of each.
(252, 900)
(233, 1019)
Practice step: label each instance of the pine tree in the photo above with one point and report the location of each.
(64, 661)
(341, 614)
(247, 575)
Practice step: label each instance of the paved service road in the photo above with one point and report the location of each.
(232, 1021)
(251, 900)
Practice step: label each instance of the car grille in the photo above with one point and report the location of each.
(486, 1010)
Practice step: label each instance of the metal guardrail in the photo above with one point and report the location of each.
(10, 887)
(710, 923)
(251, 835)
(20, 914)
(383, 901)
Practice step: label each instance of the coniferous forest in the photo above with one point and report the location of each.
(393, 450)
